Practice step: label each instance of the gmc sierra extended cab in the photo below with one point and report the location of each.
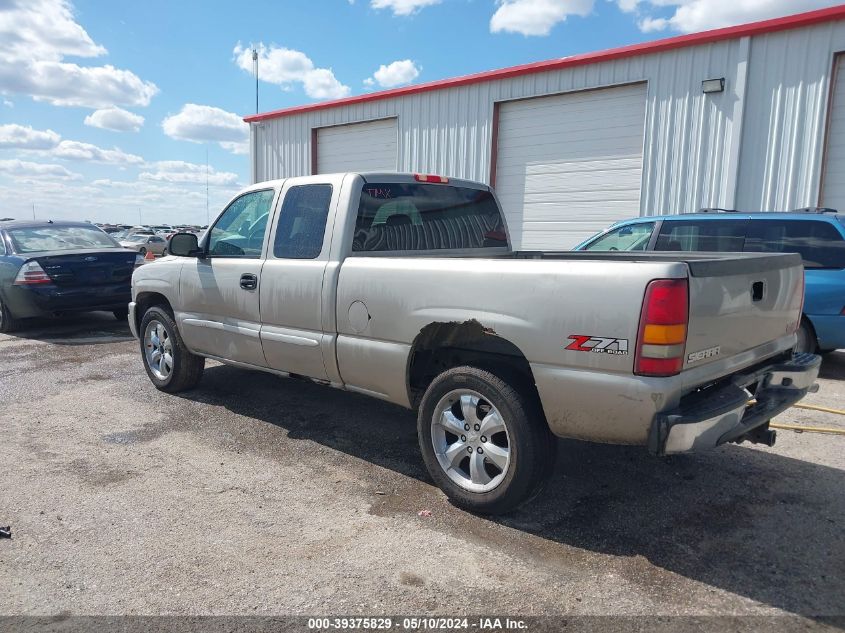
(404, 287)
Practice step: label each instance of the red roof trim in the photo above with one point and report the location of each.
(706, 37)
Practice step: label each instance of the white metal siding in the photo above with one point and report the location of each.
(785, 113)
(755, 146)
(367, 146)
(570, 165)
(834, 171)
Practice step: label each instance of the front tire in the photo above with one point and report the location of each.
(483, 440)
(169, 364)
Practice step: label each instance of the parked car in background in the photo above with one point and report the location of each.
(49, 268)
(818, 235)
(404, 287)
(143, 243)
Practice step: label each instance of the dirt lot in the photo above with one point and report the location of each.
(258, 495)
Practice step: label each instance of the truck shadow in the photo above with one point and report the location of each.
(751, 522)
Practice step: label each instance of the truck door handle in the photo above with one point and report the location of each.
(249, 281)
(757, 291)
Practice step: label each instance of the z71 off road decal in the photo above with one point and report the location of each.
(598, 345)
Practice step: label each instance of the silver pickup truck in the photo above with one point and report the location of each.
(404, 287)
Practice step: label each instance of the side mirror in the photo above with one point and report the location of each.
(184, 245)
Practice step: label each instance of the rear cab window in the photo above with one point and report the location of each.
(819, 243)
(426, 217)
(725, 236)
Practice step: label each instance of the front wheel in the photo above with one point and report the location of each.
(484, 441)
(169, 364)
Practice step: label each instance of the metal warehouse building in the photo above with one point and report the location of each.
(749, 117)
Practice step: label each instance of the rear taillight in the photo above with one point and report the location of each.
(139, 260)
(31, 274)
(441, 180)
(662, 335)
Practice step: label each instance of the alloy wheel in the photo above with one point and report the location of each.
(158, 350)
(471, 441)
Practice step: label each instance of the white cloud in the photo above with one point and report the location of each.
(35, 38)
(25, 169)
(177, 171)
(203, 124)
(535, 17)
(688, 16)
(86, 152)
(397, 73)
(286, 67)
(115, 119)
(402, 7)
(24, 137)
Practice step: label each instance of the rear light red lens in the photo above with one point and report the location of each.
(441, 180)
(663, 328)
(31, 274)
(659, 366)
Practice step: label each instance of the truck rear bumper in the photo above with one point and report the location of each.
(728, 412)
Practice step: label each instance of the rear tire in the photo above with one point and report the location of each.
(8, 323)
(806, 342)
(142, 250)
(170, 366)
(517, 450)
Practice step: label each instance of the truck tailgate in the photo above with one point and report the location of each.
(739, 303)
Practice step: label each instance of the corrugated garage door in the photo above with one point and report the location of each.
(569, 165)
(357, 147)
(833, 194)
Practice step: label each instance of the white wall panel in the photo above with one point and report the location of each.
(569, 165)
(833, 194)
(755, 146)
(369, 146)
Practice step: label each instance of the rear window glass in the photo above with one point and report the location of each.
(819, 243)
(704, 235)
(59, 238)
(426, 217)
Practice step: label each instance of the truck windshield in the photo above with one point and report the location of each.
(427, 217)
(631, 237)
(34, 239)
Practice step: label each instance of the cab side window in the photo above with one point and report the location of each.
(302, 222)
(239, 231)
(726, 236)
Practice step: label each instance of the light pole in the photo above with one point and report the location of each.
(255, 68)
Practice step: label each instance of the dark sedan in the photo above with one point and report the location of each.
(49, 268)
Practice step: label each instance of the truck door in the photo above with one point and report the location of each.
(292, 280)
(220, 292)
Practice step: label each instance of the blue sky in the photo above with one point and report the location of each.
(76, 78)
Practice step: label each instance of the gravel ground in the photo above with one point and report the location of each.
(257, 495)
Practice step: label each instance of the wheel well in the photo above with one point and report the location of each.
(442, 346)
(146, 300)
